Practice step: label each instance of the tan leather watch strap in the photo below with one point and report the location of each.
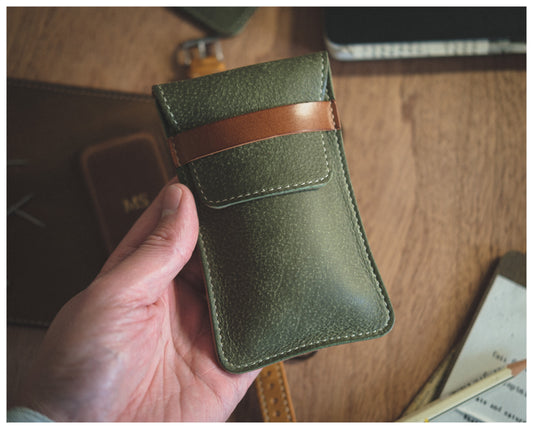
(237, 131)
(273, 393)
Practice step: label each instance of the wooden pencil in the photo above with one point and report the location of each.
(440, 406)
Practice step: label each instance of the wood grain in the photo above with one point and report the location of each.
(436, 151)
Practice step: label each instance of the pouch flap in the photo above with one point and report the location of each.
(270, 167)
(264, 168)
(191, 103)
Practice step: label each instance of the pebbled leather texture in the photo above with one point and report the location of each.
(287, 265)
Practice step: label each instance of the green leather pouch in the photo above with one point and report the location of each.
(222, 21)
(287, 265)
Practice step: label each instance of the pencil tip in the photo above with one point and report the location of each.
(517, 367)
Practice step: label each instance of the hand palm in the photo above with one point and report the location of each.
(185, 372)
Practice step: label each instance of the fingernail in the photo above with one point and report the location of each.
(171, 200)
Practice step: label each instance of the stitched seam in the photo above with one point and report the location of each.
(283, 393)
(264, 405)
(173, 143)
(308, 344)
(354, 220)
(169, 110)
(265, 191)
(357, 229)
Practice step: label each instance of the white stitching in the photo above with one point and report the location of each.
(172, 141)
(264, 191)
(355, 225)
(169, 110)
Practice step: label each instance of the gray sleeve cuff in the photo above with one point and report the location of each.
(22, 414)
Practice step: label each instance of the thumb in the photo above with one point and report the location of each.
(146, 273)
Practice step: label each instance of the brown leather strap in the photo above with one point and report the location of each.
(237, 131)
(273, 393)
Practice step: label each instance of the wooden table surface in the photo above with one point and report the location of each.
(436, 150)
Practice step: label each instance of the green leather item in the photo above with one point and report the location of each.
(223, 21)
(287, 265)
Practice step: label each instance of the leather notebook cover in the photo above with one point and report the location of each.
(287, 265)
(54, 242)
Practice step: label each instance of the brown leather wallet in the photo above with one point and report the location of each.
(54, 245)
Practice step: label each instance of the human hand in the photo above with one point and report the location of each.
(136, 345)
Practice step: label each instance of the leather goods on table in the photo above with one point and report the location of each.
(222, 21)
(54, 244)
(287, 265)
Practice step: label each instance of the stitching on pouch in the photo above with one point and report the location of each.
(167, 104)
(355, 223)
(357, 228)
(283, 392)
(264, 190)
(263, 399)
(312, 343)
